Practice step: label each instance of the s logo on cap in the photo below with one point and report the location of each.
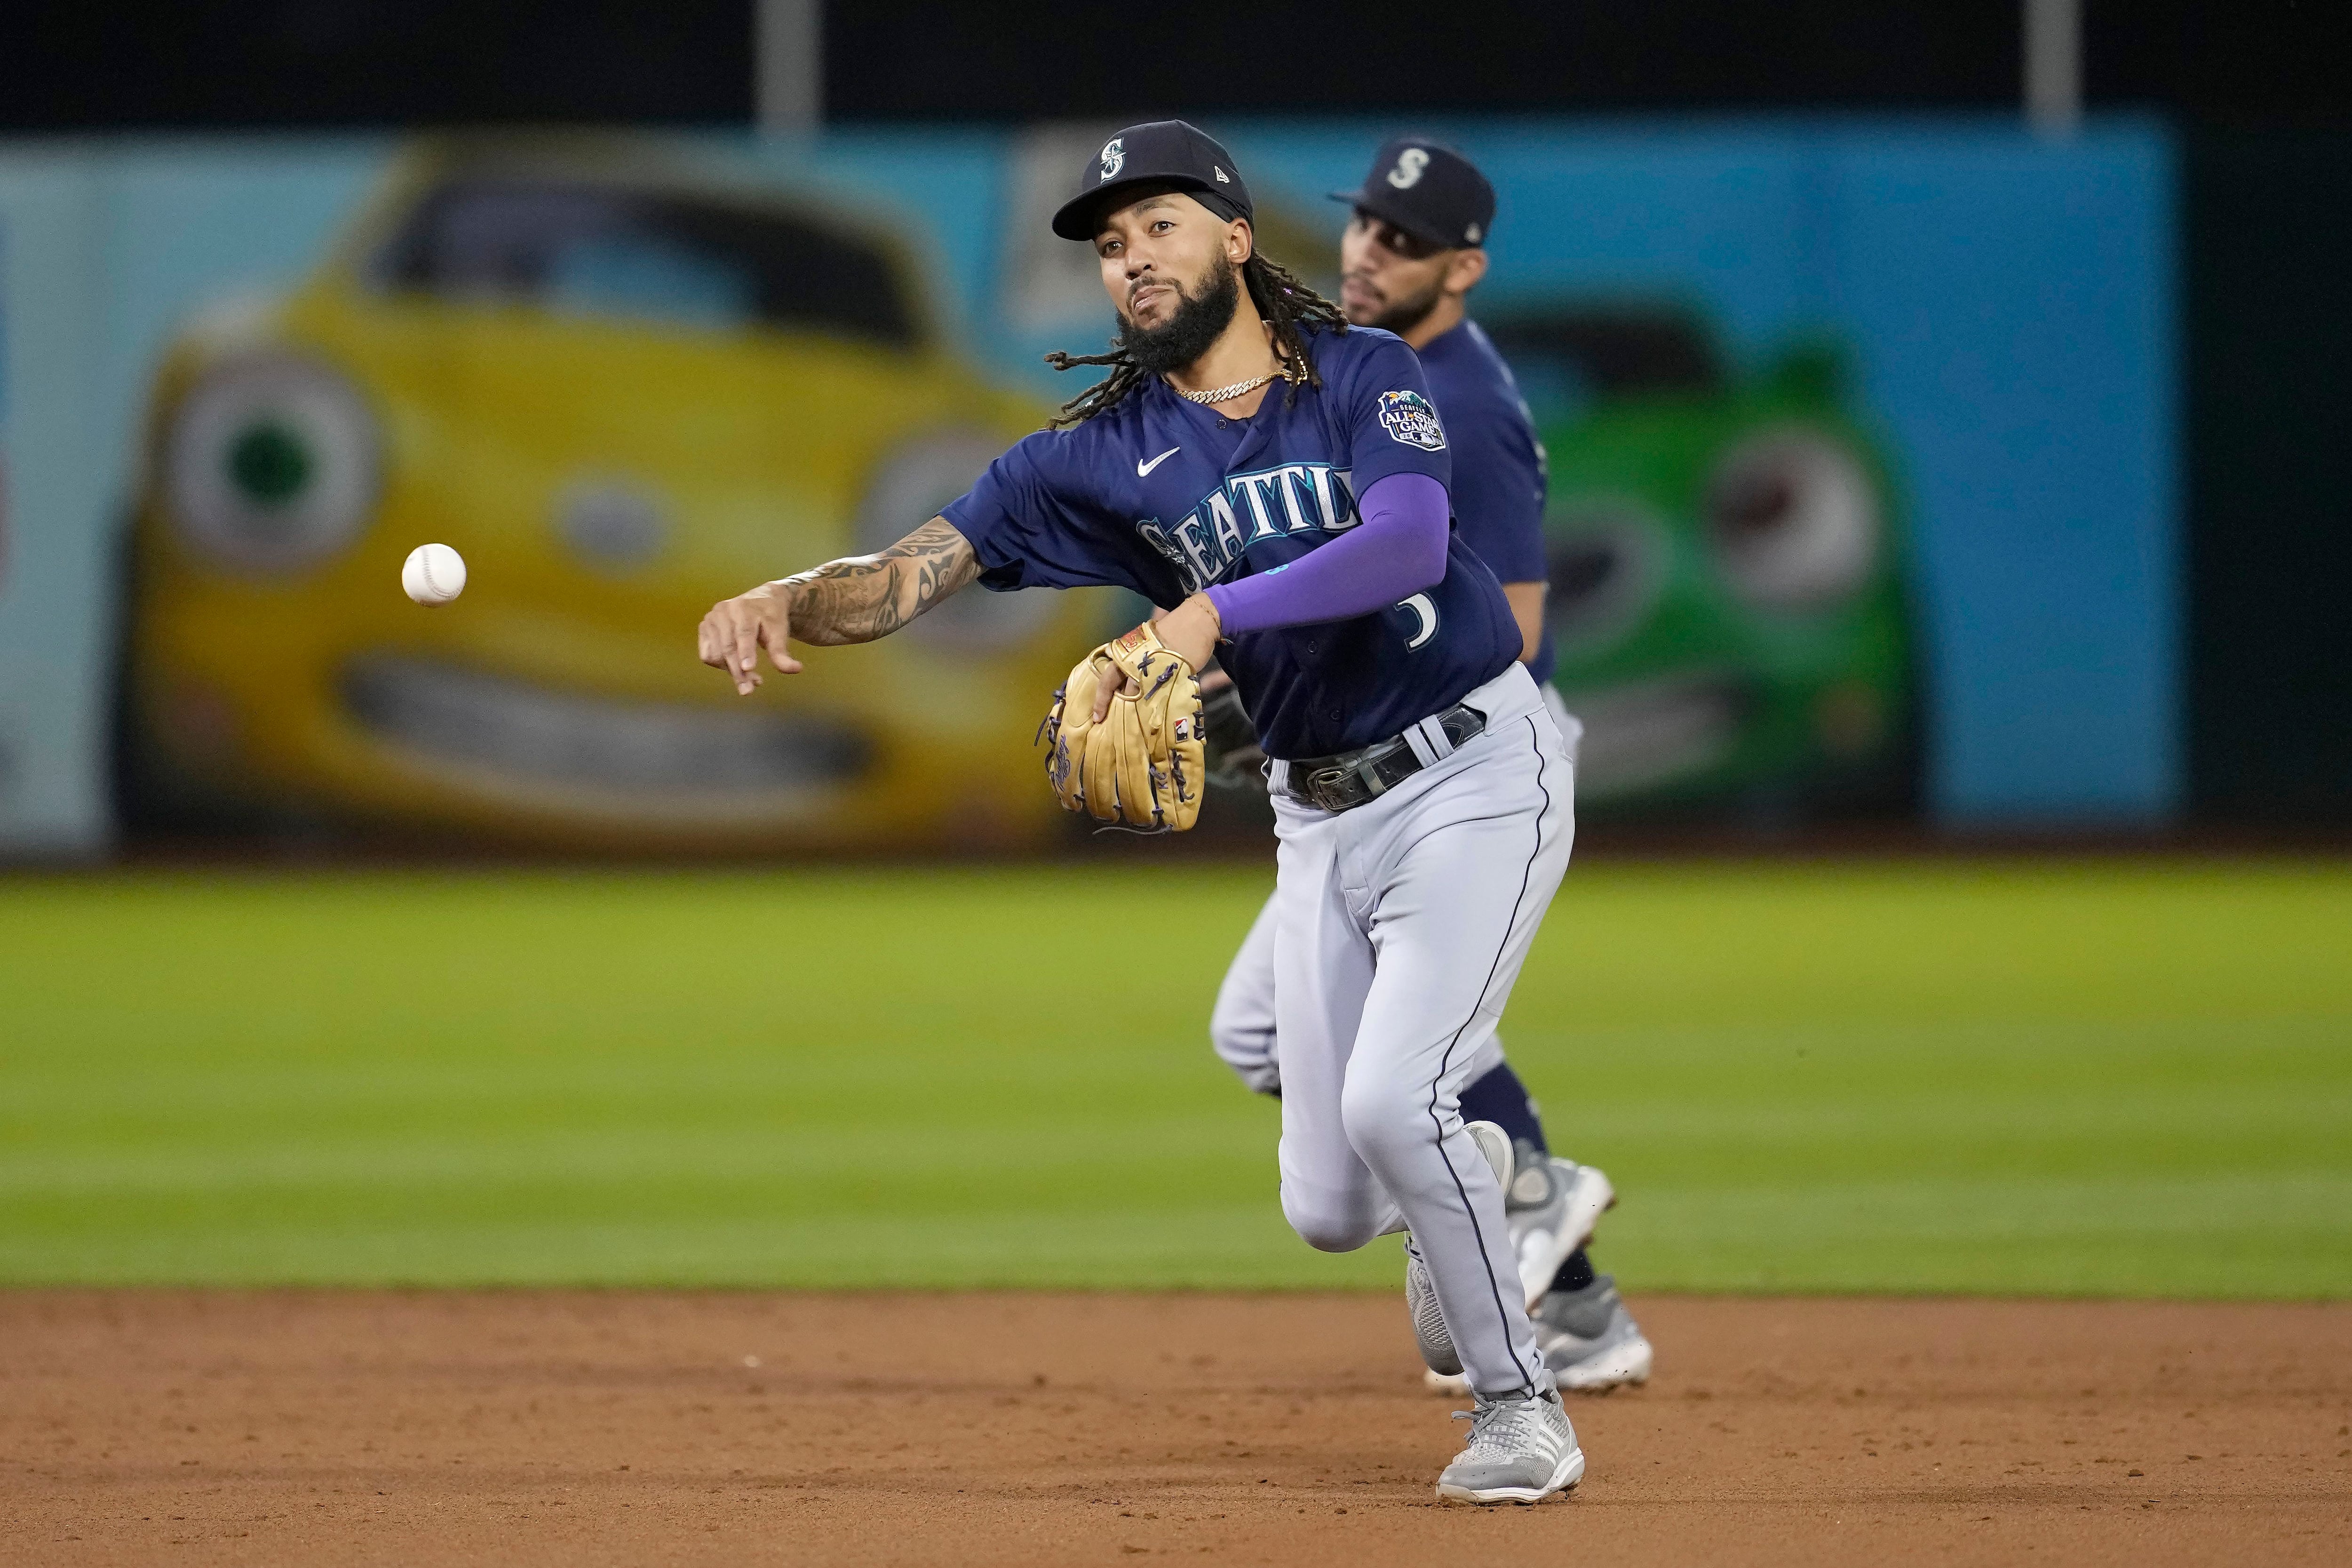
(1409, 165)
(1114, 157)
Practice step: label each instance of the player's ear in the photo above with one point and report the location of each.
(1463, 272)
(1240, 243)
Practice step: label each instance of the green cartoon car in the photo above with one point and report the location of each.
(1725, 569)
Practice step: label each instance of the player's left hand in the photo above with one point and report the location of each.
(1189, 631)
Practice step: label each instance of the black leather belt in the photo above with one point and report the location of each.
(1347, 780)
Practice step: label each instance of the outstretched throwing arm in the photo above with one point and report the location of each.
(854, 599)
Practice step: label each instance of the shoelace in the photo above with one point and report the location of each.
(1502, 1427)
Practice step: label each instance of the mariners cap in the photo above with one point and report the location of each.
(1428, 190)
(1167, 154)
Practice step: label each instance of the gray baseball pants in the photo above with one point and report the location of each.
(1241, 1025)
(1399, 930)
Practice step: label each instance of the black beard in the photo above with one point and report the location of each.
(1406, 314)
(1199, 320)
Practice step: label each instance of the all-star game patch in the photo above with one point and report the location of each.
(1409, 419)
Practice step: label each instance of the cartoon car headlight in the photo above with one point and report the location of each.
(270, 463)
(1794, 520)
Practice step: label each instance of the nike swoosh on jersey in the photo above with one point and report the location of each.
(1142, 470)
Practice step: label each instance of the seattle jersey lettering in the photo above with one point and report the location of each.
(1270, 503)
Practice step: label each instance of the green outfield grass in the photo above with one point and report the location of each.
(2074, 1077)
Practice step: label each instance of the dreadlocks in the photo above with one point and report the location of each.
(1283, 302)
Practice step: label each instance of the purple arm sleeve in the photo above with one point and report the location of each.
(1396, 552)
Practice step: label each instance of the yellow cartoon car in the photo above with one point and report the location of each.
(622, 390)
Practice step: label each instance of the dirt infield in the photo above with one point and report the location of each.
(644, 1429)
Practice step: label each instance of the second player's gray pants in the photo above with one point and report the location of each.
(1399, 928)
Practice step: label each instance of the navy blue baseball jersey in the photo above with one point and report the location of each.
(1498, 465)
(1165, 497)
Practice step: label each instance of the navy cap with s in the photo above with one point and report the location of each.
(1167, 154)
(1428, 190)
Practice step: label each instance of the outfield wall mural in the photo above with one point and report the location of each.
(1860, 443)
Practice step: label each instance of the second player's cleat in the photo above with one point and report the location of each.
(1428, 1330)
(1553, 1206)
(1520, 1450)
(1589, 1341)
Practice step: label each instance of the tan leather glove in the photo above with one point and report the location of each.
(1142, 765)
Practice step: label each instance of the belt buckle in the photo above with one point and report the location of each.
(1325, 789)
(1329, 787)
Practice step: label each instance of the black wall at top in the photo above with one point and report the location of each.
(2260, 87)
(899, 59)
(98, 64)
(214, 64)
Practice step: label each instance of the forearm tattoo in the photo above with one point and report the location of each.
(861, 597)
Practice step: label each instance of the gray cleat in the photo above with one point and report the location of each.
(1552, 1206)
(1520, 1450)
(1589, 1341)
(1428, 1330)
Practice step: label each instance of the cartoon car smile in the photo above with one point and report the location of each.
(622, 391)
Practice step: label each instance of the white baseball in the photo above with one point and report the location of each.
(433, 574)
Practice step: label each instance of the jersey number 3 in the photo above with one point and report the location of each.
(1426, 613)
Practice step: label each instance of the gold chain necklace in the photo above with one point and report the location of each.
(1222, 394)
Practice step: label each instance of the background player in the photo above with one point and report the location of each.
(1422, 789)
(1413, 250)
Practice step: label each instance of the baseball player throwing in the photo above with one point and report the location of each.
(1278, 483)
(1414, 248)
